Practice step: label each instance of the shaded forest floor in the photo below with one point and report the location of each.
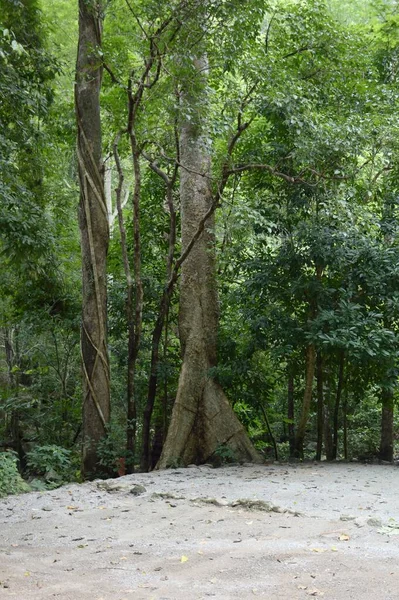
(279, 532)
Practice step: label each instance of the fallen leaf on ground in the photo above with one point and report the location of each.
(184, 559)
(389, 530)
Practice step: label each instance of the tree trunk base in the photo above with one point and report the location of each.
(201, 425)
(386, 445)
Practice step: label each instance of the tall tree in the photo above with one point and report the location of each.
(202, 418)
(93, 222)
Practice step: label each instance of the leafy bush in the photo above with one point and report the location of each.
(283, 451)
(52, 462)
(175, 463)
(111, 449)
(223, 455)
(11, 481)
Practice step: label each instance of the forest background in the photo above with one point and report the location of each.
(263, 135)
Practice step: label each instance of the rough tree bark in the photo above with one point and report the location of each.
(94, 230)
(202, 418)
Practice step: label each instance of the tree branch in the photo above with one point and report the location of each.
(272, 170)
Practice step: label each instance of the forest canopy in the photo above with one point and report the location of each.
(199, 234)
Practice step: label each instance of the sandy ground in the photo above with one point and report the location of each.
(275, 531)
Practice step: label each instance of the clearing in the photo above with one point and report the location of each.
(281, 532)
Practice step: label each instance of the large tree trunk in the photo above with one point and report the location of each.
(386, 444)
(93, 221)
(202, 418)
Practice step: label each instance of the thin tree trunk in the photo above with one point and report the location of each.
(202, 418)
(320, 404)
(152, 387)
(386, 443)
(387, 394)
(93, 222)
(135, 324)
(157, 443)
(108, 190)
(345, 417)
(310, 371)
(307, 398)
(135, 305)
(13, 360)
(340, 386)
(291, 415)
(328, 439)
(131, 410)
(9, 355)
(269, 429)
(159, 325)
(165, 390)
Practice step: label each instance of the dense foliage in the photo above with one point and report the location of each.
(301, 110)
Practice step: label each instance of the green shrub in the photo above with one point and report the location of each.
(223, 455)
(175, 463)
(283, 451)
(51, 462)
(111, 448)
(11, 481)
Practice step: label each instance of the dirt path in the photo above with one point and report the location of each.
(276, 532)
